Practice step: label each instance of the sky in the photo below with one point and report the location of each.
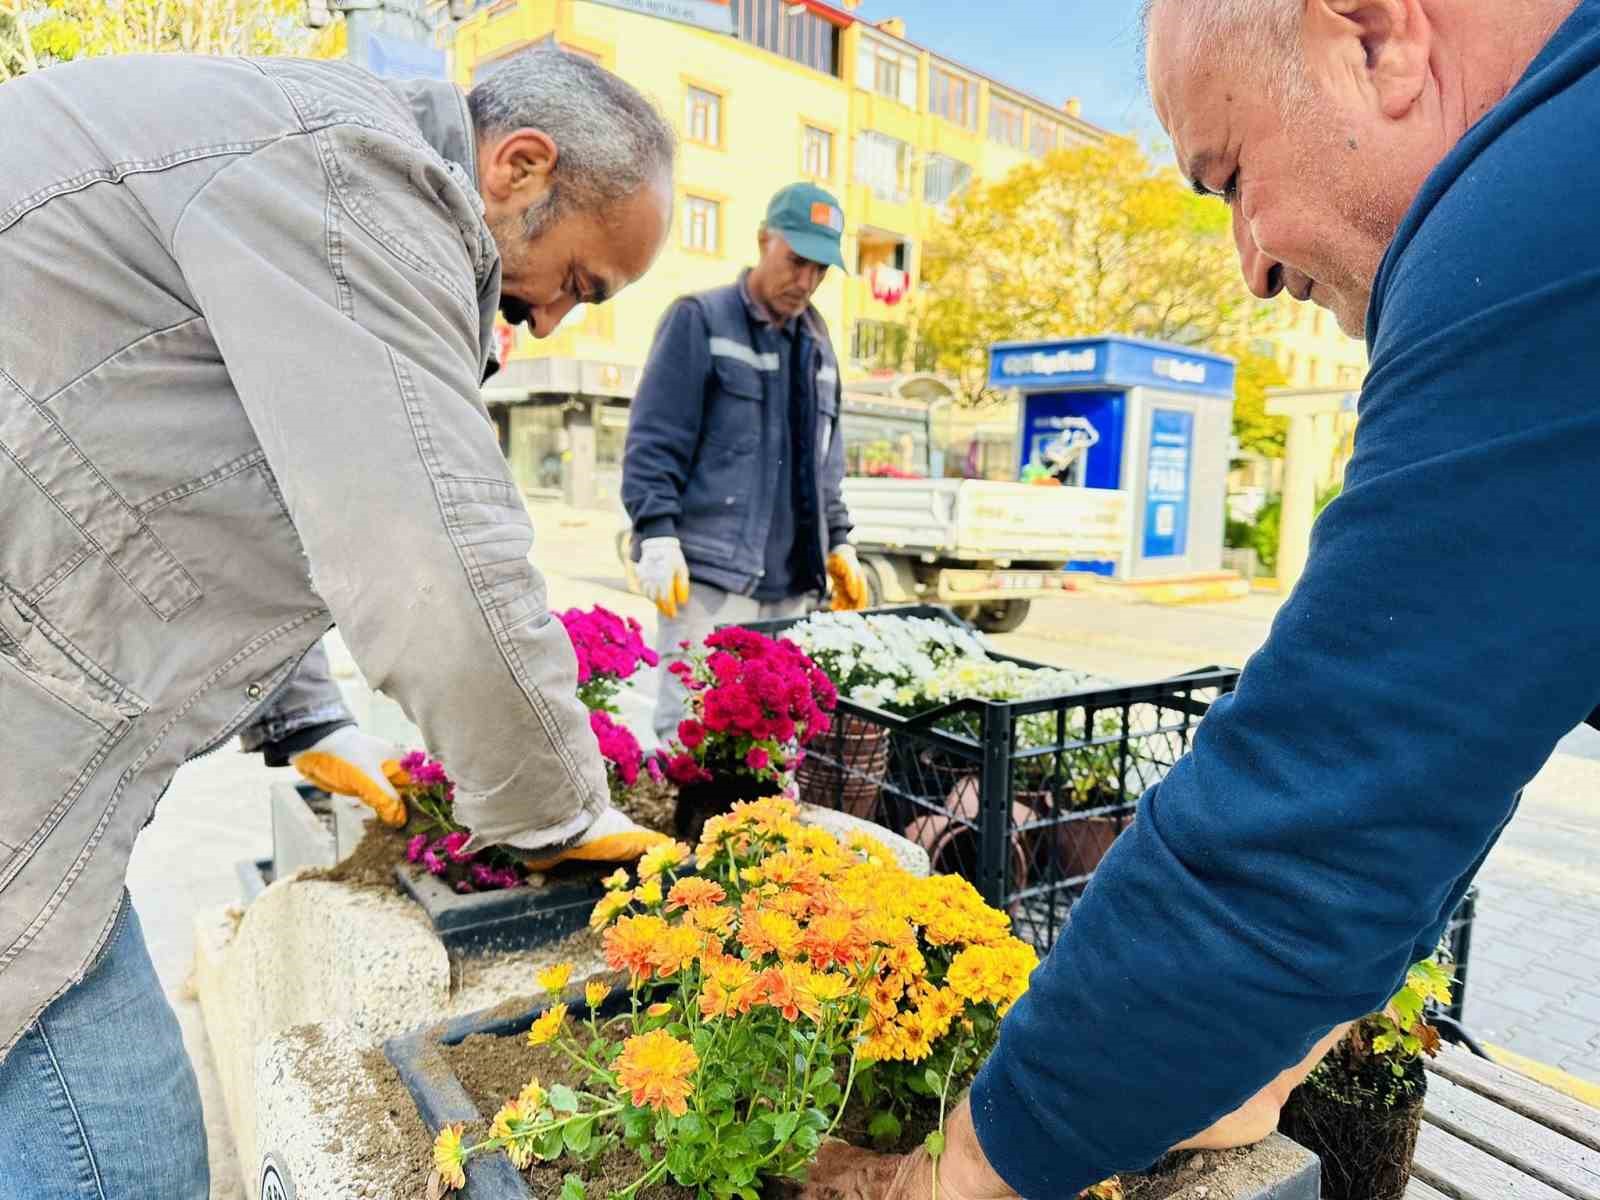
(1052, 48)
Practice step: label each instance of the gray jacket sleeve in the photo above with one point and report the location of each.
(340, 273)
(309, 698)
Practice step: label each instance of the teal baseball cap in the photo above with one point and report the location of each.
(811, 221)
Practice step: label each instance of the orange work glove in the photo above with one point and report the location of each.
(350, 763)
(849, 581)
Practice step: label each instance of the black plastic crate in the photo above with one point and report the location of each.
(1020, 797)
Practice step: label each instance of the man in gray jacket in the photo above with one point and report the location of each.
(245, 311)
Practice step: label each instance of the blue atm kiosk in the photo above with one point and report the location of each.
(1157, 421)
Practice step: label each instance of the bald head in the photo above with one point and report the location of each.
(1259, 36)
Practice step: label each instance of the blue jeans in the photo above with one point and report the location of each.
(98, 1100)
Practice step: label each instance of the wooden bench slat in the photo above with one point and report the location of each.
(1532, 1099)
(1417, 1190)
(1568, 1166)
(1464, 1172)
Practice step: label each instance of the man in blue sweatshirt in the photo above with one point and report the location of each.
(1426, 170)
(733, 469)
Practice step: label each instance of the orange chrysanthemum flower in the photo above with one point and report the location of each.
(655, 1067)
(679, 946)
(767, 932)
(695, 893)
(630, 944)
(717, 919)
(835, 940)
(785, 989)
(729, 988)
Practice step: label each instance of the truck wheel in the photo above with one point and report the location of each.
(1002, 616)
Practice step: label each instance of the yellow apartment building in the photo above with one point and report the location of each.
(762, 93)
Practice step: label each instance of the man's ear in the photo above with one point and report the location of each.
(1382, 46)
(517, 168)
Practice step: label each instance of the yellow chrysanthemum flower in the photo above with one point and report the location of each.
(532, 1096)
(547, 1026)
(655, 1067)
(659, 858)
(595, 993)
(607, 909)
(508, 1119)
(616, 881)
(450, 1158)
(648, 894)
(554, 979)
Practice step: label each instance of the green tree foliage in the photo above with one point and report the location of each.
(39, 33)
(1090, 240)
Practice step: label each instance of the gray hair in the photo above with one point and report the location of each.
(1238, 31)
(612, 141)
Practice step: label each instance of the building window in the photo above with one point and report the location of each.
(887, 71)
(702, 225)
(943, 178)
(883, 163)
(789, 29)
(1313, 373)
(1316, 322)
(816, 153)
(1005, 122)
(879, 345)
(1349, 376)
(1045, 138)
(953, 97)
(703, 116)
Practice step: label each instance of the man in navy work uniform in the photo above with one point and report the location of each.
(1426, 170)
(734, 461)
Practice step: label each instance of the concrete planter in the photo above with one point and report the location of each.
(1277, 1169)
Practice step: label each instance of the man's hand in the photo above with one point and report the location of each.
(844, 1172)
(350, 763)
(849, 581)
(1258, 1116)
(663, 574)
(848, 1173)
(614, 837)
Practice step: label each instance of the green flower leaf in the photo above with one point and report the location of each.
(784, 1125)
(884, 1127)
(691, 1128)
(563, 1099)
(572, 1188)
(934, 1080)
(579, 1134)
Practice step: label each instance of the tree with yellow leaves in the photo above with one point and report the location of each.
(1090, 240)
(40, 33)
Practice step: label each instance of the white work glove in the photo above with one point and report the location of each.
(663, 574)
(350, 763)
(849, 581)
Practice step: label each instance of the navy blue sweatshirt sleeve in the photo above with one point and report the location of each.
(664, 422)
(1445, 636)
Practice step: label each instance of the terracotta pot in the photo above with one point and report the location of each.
(953, 847)
(1083, 842)
(1366, 1149)
(853, 787)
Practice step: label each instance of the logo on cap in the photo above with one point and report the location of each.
(827, 216)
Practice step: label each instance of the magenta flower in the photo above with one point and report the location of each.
(758, 759)
(453, 846)
(415, 847)
(435, 864)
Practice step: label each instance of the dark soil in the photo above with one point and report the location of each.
(1366, 1144)
(495, 1069)
(653, 805)
(371, 864)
